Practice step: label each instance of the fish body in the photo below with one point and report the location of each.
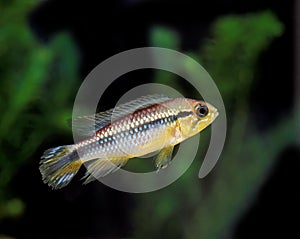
(149, 124)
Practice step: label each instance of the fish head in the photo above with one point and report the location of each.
(198, 116)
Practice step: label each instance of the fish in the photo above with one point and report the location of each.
(152, 123)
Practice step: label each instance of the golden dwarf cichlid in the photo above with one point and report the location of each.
(139, 127)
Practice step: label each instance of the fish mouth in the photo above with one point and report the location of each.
(214, 114)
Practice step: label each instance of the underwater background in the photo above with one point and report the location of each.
(250, 48)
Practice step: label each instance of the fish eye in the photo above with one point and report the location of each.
(201, 110)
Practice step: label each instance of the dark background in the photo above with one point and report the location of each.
(102, 29)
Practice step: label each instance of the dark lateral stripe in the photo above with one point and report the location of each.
(141, 128)
(183, 114)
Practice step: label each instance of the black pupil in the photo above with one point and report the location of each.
(202, 110)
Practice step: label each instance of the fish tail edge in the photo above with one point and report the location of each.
(59, 165)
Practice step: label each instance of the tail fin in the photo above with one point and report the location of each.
(59, 165)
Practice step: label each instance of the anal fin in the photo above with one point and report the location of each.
(102, 167)
(164, 157)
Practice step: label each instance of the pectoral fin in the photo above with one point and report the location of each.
(164, 157)
(101, 167)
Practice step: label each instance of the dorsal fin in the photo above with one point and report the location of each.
(84, 126)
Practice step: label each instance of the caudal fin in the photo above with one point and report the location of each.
(59, 165)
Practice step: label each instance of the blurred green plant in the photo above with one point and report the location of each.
(37, 83)
(36, 89)
(209, 208)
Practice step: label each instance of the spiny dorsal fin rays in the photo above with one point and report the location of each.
(101, 167)
(84, 124)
